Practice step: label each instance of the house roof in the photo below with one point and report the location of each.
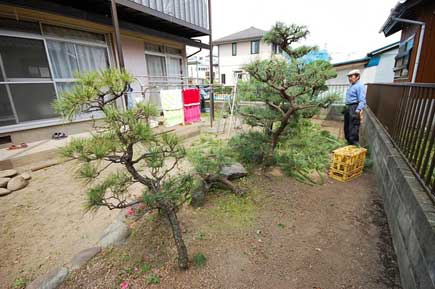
(384, 49)
(401, 10)
(366, 59)
(354, 61)
(251, 33)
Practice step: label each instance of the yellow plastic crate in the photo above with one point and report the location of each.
(347, 163)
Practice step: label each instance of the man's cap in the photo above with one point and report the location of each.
(354, 72)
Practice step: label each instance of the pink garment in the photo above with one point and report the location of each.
(192, 113)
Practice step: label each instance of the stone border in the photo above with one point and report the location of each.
(115, 234)
(409, 209)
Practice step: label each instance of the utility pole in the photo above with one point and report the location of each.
(118, 46)
(211, 66)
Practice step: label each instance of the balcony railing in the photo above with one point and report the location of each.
(407, 112)
(192, 11)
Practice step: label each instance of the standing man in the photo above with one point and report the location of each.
(355, 103)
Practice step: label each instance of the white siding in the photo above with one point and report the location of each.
(228, 64)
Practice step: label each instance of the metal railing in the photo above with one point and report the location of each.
(407, 112)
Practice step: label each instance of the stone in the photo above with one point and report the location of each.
(198, 199)
(51, 280)
(84, 256)
(115, 234)
(7, 173)
(17, 183)
(276, 172)
(4, 192)
(26, 176)
(4, 182)
(234, 171)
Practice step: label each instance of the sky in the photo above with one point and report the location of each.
(347, 29)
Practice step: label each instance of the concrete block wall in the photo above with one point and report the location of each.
(409, 209)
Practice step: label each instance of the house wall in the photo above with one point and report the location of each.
(228, 64)
(426, 70)
(134, 58)
(384, 70)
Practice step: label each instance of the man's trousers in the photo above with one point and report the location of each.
(352, 123)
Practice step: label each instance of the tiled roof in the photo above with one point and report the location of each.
(248, 34)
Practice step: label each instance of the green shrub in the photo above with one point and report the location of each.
(153, 279)
(199, 259)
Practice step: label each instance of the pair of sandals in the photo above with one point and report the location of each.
(59, 135)
(16, 147)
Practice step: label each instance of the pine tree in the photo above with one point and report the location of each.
(288, 85)
(127, 150)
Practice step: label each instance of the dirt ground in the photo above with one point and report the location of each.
(44, 225)
(283, 234)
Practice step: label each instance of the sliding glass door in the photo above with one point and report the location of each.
(26, 87)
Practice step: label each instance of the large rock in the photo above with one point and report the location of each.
(83, 257)
(17, 183)
(26, 176)
(51, 280)
(115, 234)
(7, 173)
(234, 171)
(4, 192)
(4, 182)
(198, 199)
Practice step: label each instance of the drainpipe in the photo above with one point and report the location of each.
(420, 42)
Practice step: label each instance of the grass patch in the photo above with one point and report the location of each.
(199, 259)
(19, 283)
(153, 279)
(145, 268)
(231, 211)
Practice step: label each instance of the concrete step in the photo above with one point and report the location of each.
(46, 152)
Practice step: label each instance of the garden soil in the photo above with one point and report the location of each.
(44, 225)
(282, 234)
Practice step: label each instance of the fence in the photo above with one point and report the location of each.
(407, 112)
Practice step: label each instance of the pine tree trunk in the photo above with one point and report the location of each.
(183, 259)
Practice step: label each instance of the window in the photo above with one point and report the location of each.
(26, 88)
(34, 73)
(401, 66)
(69, 58)
(165, 69)
(255, 46)
(234, 49)
(276, 49)
(223, 80)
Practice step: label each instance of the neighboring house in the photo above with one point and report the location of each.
(239, 49)
(44, 43)
(198, 67)
(377, 66)
(409, 67)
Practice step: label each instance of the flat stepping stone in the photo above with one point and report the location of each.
(51, 280)
(4, 182)
(16, 183)
(4, 192)
(83, 257)
(8, 173)
(115, 234)
(26, 176)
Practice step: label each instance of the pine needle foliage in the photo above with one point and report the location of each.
(288, 85)
(125, 141)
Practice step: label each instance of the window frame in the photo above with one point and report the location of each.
(52, 80)
(404, 58)
(234, 49)
(252, 47)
